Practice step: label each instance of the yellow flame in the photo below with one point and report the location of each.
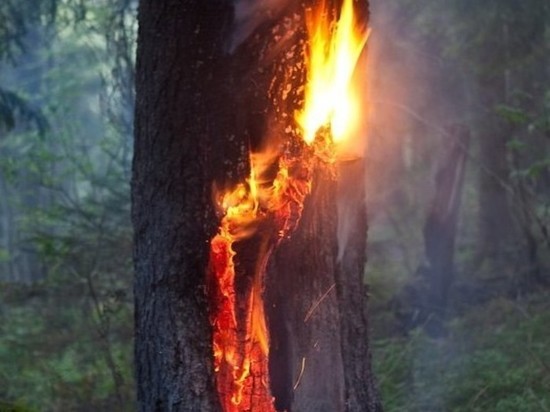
(334, 49)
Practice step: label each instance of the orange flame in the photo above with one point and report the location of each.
(333, 53)
(241, 346)
(270, 208)
(236, 346)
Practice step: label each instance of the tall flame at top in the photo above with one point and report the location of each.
(332, 56)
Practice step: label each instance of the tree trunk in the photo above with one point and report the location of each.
(198, 114)
(440, 228)
(495, 237)
(317, 302)
(179, 44)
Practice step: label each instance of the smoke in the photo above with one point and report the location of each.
(415, 92)
(352, 154)
(250, 14)
(407, 100)
(350, 201)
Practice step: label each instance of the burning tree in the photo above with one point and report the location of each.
(250, 228)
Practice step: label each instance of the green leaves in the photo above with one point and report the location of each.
(494, 360)
(65, 339)
(513, 115)
(534, 171)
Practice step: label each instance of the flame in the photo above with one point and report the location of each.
(241, 346)
(236, 346)
(268, 205)
(334, 49)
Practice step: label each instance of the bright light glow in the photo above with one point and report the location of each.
(267, 208)
(332, 56)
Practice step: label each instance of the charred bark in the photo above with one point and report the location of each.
(319, 301)
(361, 389)
(179, 45)
(302, 275)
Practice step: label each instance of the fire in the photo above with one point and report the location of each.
(332, 56)
(268, 211)
(237, 343)
(267, 208)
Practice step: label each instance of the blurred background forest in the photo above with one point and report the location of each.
(459, 117)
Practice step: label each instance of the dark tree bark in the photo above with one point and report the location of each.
(320, 301)
(179, 44)
(198, 114)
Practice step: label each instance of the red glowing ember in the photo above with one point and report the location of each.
(263, 211)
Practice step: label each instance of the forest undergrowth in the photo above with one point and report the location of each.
(493, 358)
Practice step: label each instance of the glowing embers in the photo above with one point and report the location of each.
(240, 339)
(331, 100)
(256, 216)
(267, 208)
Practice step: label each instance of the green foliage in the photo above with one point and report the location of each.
(65, 334)
(17, 18)
(493, 360)
(13, 407)
(51, 352)
(512, 114)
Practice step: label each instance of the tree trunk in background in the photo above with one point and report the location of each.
(198, 114)
(495, 217)
(440, 228)
(498, 234)
(7, 223)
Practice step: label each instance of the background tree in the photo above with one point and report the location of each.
(436, 63)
